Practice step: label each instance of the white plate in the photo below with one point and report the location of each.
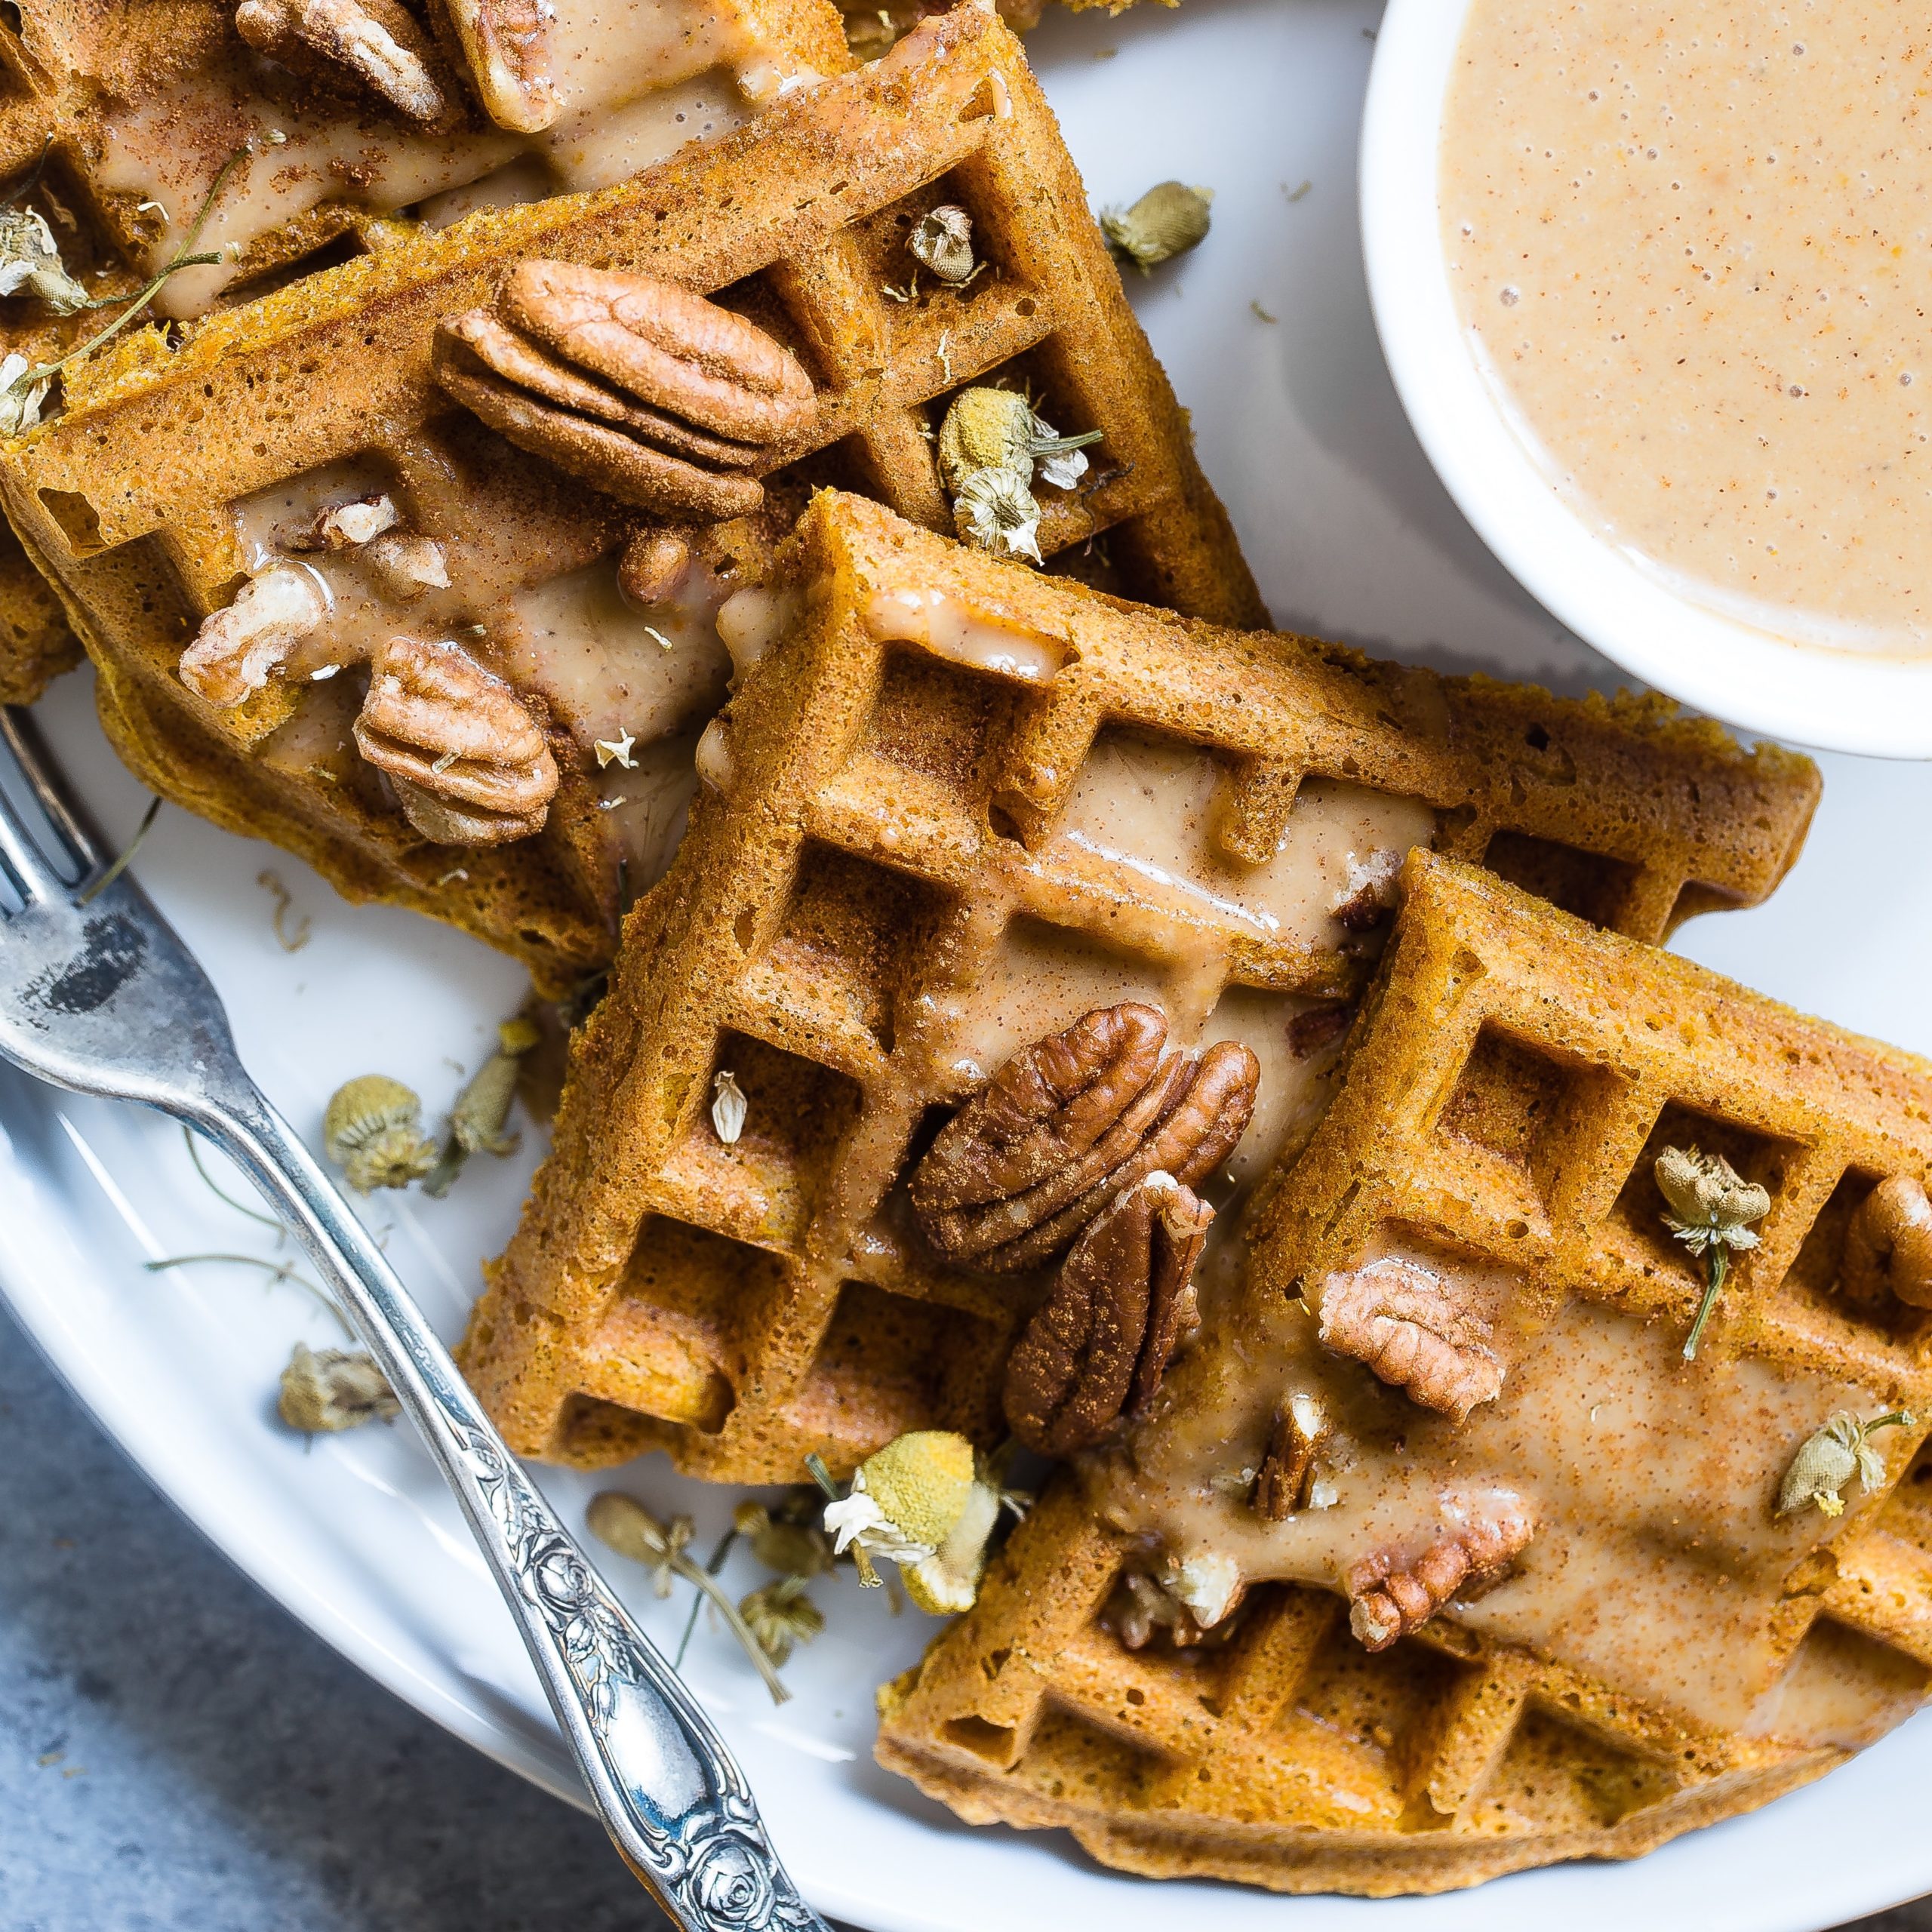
(1844, 700)
(1351, 535)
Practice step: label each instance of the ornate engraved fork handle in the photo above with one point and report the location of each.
(670, 1794)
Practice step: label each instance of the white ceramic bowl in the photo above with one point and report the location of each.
(1834, 700)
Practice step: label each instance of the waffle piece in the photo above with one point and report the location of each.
(957, 805)
(172, 474)
(1668, 1650)
(115, 122)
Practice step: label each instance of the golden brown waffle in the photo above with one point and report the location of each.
(135, 499)
(115, 121)
(959, 805)
(1668, 1651)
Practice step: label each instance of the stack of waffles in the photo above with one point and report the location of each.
(953, 807)
(527, 487)
(189, 498)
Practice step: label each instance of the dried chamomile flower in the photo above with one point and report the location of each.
(1167, 221)
(792, 1548)
(478, 1118)
(781, 1615)
(1829, 1459)
(943, 242)
(920, 1502)
(30, 260)
(630, 1529)
(996, 509)
(990, 428)
(728, 1107)
(372, 1130)
(20, 399)
(1712, 1205)
(325, 1390)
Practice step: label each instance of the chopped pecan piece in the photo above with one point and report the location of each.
(1319, 1026)
(1386, 1602)
(1123, 1300)
(1369, 897)
(405, 566)
(350, 525)
(1888, 1245)
(505, 44)
(239, 649)
(469, 764)
(375, 40)
(1404, 1323)
(1068, 1124)
(1282, 1484)
(653, 395)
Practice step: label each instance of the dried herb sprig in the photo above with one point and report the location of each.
(1712, 1207)
(623, 1524)
(276, 1271)
(20, 396)
(89, 894)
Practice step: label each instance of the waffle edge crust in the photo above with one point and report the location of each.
(887, 813)
(1254, 1762)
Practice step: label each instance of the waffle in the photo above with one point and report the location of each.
(1674, 1653)
(957, 805)
(121, 117)
(144, 499)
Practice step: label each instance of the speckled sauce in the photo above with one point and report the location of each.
(1690, 245)
(1657, 1560)
(642, 678)
(634, 79)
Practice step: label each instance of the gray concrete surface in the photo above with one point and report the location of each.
(149, 1782)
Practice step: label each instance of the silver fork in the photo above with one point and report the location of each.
(98, 995)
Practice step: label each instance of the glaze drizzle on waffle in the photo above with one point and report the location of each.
(144, 498)
(955, 806)
(1668, 1650)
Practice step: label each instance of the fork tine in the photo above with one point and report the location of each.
(22, 738)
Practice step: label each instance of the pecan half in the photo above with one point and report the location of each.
(1098, 1346)
(1068, 1124)
(1888, 1246)
(374, 40)
(506, 44)
(1405, 1323)
(239, 649)
(654, 394)
(1295, 1438)
(1387, 1600)
(470, 764)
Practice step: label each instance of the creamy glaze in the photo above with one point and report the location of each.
(635, 79)
(950, 628)
(1144, 804)
(1657, 1559)
(1692, 247)
(604, 668)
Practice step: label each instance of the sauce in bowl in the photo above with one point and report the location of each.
(1693, 246)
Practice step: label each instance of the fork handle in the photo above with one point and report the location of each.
(671, 1795)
